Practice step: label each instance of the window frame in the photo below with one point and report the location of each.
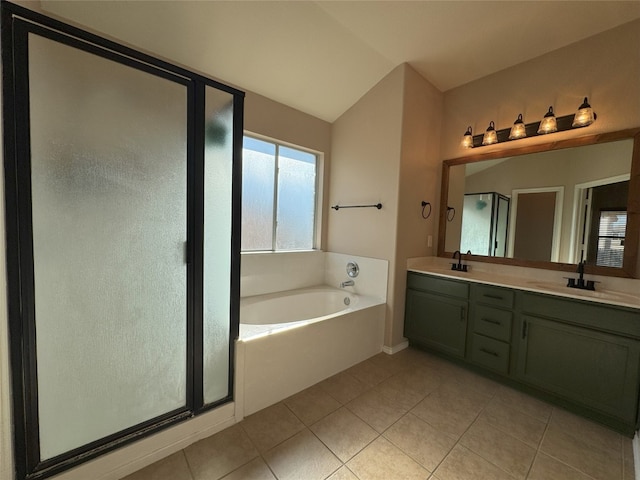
(318, 196)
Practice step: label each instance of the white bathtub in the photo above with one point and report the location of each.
(294, 339)
(267, 314)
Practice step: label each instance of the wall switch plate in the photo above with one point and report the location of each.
(429, 240)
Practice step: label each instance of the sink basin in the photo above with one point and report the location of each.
(599, 294)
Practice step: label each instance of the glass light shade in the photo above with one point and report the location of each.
(467, 140)
(518, 130)
(490, 136)
(548, 123)
(584, 116)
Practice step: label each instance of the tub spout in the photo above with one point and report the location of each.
(348, 283)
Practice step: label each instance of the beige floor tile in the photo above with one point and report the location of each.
(463, 464)
(344, 433)
(377, 410)
(343, 473)
(271, 426)
(344, 387)
(254, 470)
(602, 464)
(547, 468)
(220, 454)
(524, 403)
(393, 363)
(451, 409)
(472, 381)
(370, 373)
(522, 426)
(382, 460)
(174, 467)
(312, 404)
(398, 394)
(302, 457)
(586, 430)
(420, 441)
(421, 381)
(628, 472)
(503, 450)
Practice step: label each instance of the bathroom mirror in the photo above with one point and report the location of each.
(547, 206)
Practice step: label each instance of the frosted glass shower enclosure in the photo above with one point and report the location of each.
(123, 241)
(485, 224)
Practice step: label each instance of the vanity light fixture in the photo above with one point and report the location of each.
(548, 123)
(467, 140)
(490, 136)
(518, 130)
(584, 116)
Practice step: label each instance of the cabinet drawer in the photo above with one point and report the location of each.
(438, 285)
(490, 353)
(617, 320)
(492, 322)
(496, 296)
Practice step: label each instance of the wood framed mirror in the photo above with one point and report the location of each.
(547, 206)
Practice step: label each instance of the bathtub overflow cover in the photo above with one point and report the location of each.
(347, 300)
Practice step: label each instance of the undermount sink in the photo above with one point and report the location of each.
(602, 294)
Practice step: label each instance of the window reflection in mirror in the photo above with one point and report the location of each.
(563, 205)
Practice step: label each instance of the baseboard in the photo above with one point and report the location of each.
(395, 348)
(636, 454)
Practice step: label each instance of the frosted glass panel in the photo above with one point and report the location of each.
(476, 224)
(296, 199)
(109, 225)
(218, 165)
(258, 179)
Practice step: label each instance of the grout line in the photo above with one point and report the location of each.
(186, 460)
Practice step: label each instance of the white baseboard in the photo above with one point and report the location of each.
(636, 455)
(395, 348)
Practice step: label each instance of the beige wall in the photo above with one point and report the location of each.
(385, 149)
(605, 67)
(366, 148)
(420, 170)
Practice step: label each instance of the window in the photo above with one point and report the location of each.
(278, 197)
(613, 226)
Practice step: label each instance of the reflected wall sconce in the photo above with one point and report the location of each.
(584, 117)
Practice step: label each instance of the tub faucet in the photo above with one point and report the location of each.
(348, 283)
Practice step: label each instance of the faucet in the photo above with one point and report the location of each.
(580, 283)
(458, 266)
(347, 283)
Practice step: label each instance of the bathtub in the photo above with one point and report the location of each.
(291, 340)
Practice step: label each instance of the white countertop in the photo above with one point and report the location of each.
(609, 290)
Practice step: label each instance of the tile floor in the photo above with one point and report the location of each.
(407, 416)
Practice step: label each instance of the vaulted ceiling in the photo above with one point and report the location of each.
(320, 57)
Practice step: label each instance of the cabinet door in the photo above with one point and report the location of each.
(592, 368)
(436, 322)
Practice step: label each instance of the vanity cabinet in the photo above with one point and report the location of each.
(491, 317)
(436, 314)
(586, 353)
(580, 354)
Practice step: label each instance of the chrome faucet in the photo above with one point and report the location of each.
(348, 283)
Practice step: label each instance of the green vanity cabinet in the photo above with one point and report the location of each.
(580, 354)
(562, 351)
(491, 319)
(436, 313)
